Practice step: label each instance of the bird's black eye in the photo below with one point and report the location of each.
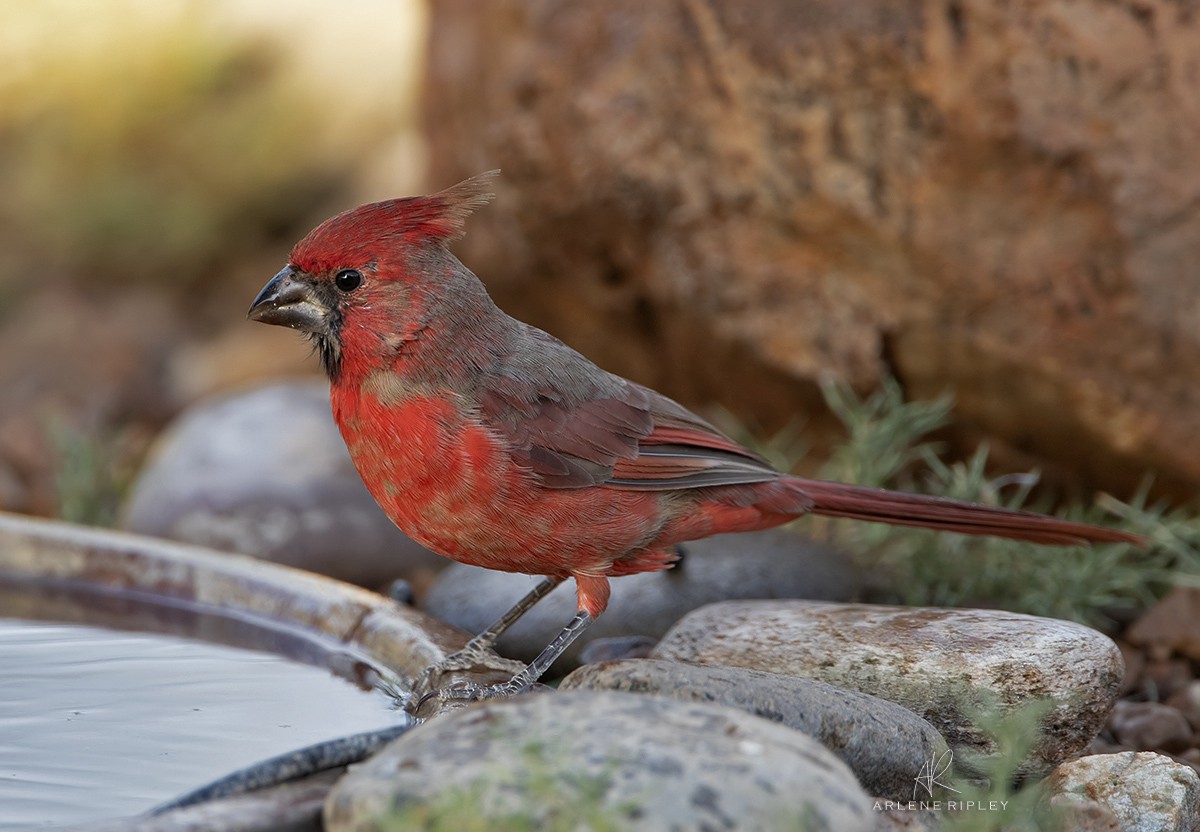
(348, 279)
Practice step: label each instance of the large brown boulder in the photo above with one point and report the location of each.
(726, 199)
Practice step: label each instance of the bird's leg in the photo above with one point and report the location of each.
(475, 648)
(474, 693)
(474, 652)
(548, 656)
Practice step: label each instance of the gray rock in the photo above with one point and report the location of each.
(885, 745)
(1147, 792)
(771, 564)
(265, 473)
(947, 665)
(905, 818)
(600, 760)
(617, 648)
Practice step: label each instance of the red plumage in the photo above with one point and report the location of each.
(494, 444)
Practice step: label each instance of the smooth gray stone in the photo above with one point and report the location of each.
(266, 473)
(885, 745)
(617, 648)
(600, 760)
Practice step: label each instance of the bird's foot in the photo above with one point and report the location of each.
(462, 694)
(460, 673)
(467, 658)
(429, 688)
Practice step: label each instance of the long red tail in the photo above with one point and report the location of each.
(833, 499)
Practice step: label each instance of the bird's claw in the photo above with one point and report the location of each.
(441, 685)
(460, 695)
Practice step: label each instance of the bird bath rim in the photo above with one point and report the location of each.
(64, 557)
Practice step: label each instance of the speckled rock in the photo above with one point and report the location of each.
(1147, 792)
(905, 819)
(1077, 813)
(266, 473)
(600, 760)
(944, 664)
(769, 564)
(884, 744)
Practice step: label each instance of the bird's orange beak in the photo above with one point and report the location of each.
(289, 300)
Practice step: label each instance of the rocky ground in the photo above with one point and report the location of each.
(775, 692)
(1159, 709)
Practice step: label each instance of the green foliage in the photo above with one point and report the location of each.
(1026, 808)
(91, 476)
(886, 447)
(141, 141)
(883, 432)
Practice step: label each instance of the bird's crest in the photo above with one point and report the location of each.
(353, 235)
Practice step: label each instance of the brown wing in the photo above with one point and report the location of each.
(575, 425)
(685, 451)
(567, 444)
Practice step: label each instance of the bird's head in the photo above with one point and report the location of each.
(363, 282)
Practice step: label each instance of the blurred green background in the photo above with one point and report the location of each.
(157, 162)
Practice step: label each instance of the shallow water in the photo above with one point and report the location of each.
(96, 723)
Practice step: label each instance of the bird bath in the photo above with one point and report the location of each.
(134, 669)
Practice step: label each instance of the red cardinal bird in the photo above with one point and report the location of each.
(493, 443)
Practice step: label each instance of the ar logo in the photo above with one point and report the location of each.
(932, 773)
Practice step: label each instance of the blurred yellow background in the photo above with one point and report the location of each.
(158, 160)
